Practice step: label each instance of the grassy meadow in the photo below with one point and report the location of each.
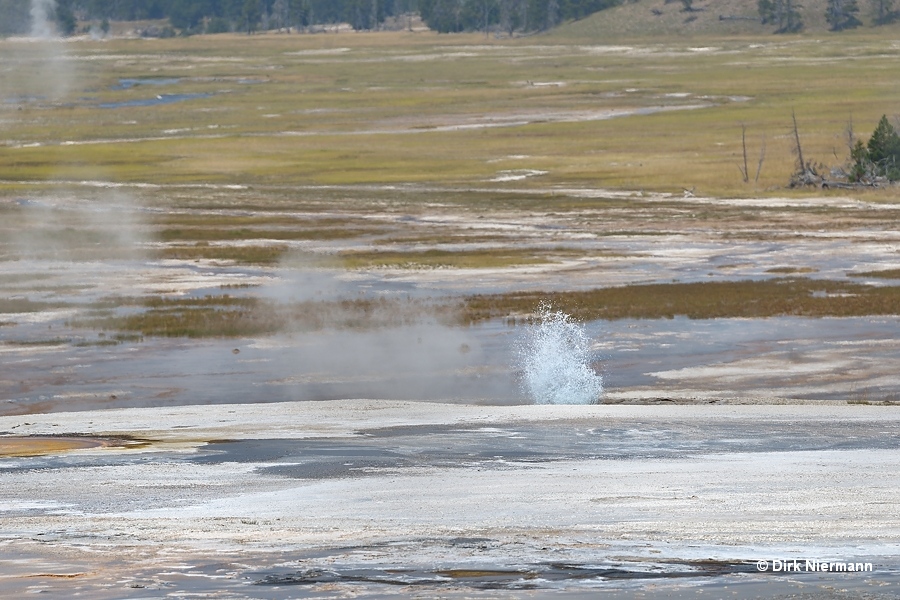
(240, 149)
(421, 108)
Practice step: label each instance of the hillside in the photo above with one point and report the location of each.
(726, 17)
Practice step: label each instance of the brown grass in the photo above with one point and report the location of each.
(24, 305)
(225, 316)
(748, 299)
(429, 259)
(257, 255)
(201, 234)
(220, 316)
(791, 270)
(882, 274)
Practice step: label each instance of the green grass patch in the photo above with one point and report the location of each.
(398, 108)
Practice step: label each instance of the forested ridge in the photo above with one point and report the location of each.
(214, 16)
(501, 16)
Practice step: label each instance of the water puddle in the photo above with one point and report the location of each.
(159, 100)
(374, 452)
(127, 84)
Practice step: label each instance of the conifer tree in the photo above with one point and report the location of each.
(789, 20)
(766, 10)
(880, 157)
(883, 150)
(884, 12)
(841, 14)
(784, 14)
(65, 18)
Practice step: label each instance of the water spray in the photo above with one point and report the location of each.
(555, 357)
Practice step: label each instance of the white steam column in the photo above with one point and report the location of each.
(42, 18)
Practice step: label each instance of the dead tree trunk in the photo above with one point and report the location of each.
(762, 157)
(806, 174)
(744, 173)
(798, 149)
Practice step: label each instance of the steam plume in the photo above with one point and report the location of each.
(41, 18)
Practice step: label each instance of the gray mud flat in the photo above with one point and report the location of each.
(397, 499)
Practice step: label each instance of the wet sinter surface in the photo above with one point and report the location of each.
(456, 501)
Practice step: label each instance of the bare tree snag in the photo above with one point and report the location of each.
(762, 157)
(806, 173)
(798, 149)
(744, 172)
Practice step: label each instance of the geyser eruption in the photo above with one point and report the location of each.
(555, 360)
(42, 18)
